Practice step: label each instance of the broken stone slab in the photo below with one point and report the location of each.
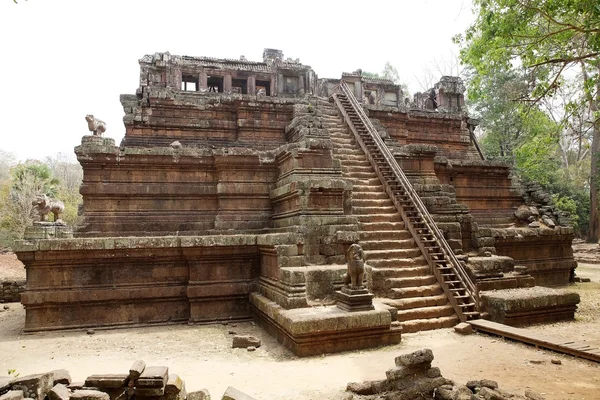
(12, 395)
(137, 369)
(59, 392)
(488, 383)
(530, 394)
(61, 376)
(233, 394)
(464, 328)
(35, 386)
(244, 341)
(153, 377)
(89, 395)
(424, 356)
(201, 394)
(490, 394)
(108, 381)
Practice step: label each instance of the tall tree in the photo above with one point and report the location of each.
(548, 38)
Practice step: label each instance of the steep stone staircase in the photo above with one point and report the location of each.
(400, 276)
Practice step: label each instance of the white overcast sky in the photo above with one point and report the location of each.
(63, 59)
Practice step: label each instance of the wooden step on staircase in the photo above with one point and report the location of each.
(434, 251)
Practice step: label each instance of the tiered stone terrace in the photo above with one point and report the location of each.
(237, 190)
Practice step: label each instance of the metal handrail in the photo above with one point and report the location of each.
(414, 197)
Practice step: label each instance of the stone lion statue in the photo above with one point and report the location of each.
(46, 205)
(356, 266)
(96, 126)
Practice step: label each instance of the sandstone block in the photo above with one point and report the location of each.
(490, 394)
(418, 357)
(137, 369)
(397, 373)
(153, 377)
(364, 388)
(61, 376)
(149, 392)
(59, 392)
(201, 394)
(461, 393)
(174, 384)
(76, 386)
(533, 395)
(34, 386)
(89, 395)
(434, 372)
(233, 394)
(108, 381)
(12, 395)
(380, 386)
(244, 341)
(487, 383)
(444, 393)
(464, 328)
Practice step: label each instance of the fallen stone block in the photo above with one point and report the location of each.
(363, 388)
(108, 381)
(153, 377)
(12, 395)
(35, 386)
(245, 341)
(233, 394)
(76, 386)
(175, 388)
(487, 383)
(137, 369)
(59, 392)
(464, 328)
(490, 394)
(89, 395)
(61, 376)
(461, 393)
(443, 393)
(530, 394)
(201, 394)
(424, 356)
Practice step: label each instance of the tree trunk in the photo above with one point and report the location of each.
(594, 230)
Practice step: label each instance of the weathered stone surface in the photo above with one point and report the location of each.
(464, 328)
(530, 394)
(89, 395)
(136, 369)
(364, 388)
(461, 393)
(59, 392)
(34, 386)
(174, 384)
(490, 394)
(12, 395)
(244, 341)
(234, 394)
(61, 376)
(482, 383)
(397, 373)
(107, 381)
(201, 394)
(153, 377)
(415, 358)
(443, 393)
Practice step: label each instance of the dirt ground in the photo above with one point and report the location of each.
(203, 357)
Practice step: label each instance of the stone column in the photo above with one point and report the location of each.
(399, 97)
(202, 82)
(227, 84)
(273, 86)
(301, 85)
(280, 83)
(358, 91)
(251, 84)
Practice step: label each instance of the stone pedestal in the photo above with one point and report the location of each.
(48, 230)
(355, 299)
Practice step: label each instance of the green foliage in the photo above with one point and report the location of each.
(29, 179)
(544, 39)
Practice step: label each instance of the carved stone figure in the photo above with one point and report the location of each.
(46, 205)
(356, 266)
(96, 126)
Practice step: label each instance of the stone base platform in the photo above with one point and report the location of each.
(312, 331)
(525, 306)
